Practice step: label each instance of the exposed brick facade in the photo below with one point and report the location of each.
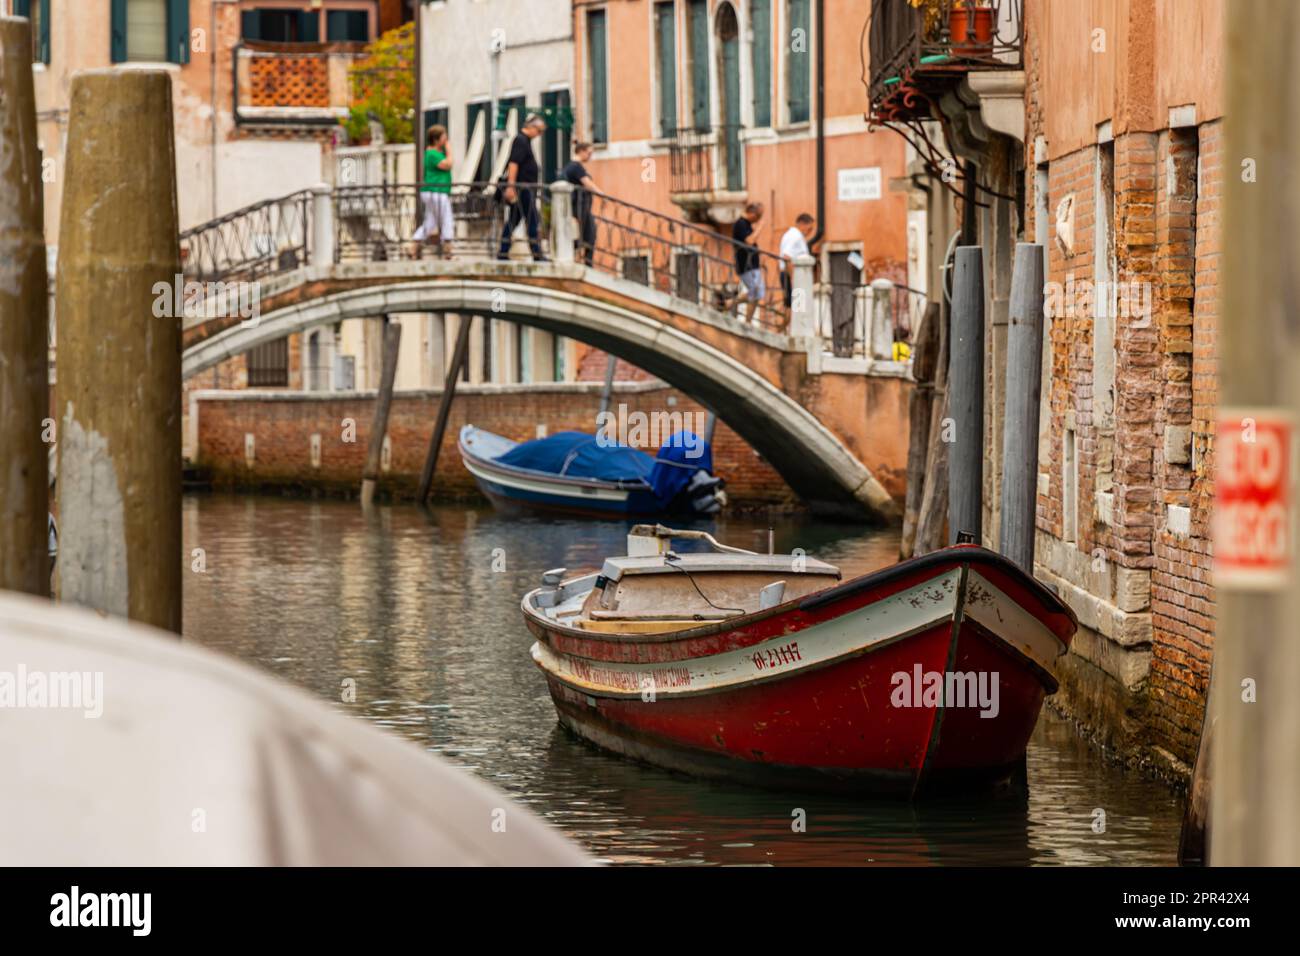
(1144, 488)
(282, 426)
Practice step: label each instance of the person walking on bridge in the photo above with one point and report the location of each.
(519, 187)
(583, 189)
(744, 233)
(438, 223)
(793, 245)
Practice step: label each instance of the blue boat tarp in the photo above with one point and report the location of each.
(678, 460)
(579, 455)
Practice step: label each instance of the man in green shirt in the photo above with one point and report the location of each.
(436, 194)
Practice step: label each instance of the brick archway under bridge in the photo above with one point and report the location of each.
(838, 440)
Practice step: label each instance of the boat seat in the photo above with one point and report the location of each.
(771, 596)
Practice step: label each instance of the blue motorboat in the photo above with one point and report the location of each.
(579, 473)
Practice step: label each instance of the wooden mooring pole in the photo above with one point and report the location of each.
(966, 396)
(383, 403)
(118, 395)
(1024, 387)
(925, 358)
(460, 353)
(1255, 707)
(24, 325)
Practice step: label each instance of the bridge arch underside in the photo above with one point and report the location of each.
(811, 459)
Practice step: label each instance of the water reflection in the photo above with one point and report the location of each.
(421, 610)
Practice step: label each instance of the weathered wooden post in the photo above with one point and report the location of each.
(24, 325)
(118, 395)
(931, 518)
(1024, 385)
(1255, 708)
(966, 395)
(444, 407)
(925, 356)
(607, 393)
(383, 403)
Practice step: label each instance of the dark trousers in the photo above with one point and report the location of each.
(786, 287)
(523, 208)
(587, 236)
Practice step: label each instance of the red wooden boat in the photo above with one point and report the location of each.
(765, 669)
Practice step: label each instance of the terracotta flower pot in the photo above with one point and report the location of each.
(970, 30)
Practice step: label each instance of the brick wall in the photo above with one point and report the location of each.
(1152, 559)
(282, 425)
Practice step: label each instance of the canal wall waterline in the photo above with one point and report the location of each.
(316, 442)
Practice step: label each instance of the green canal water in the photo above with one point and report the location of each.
(421, 609)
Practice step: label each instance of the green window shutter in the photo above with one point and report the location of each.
(251, 25)
(117, 42)
(798, 61)
(598, 95)
(23, 8)
(699, 27)
(308, 26)
(760, 13)
(666, 39)
(178, 31)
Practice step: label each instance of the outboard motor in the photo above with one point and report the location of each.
(682, 477)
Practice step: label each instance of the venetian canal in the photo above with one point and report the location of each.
(421, 609)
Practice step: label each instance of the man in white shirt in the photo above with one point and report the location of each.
(794, 244)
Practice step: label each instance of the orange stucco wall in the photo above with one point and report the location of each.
(780, 165)
(1128, 61)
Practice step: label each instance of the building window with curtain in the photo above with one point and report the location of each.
(760, 20)
(597, 77)
(666, 66)
(38, 12)
(798, 59)
(150, 31)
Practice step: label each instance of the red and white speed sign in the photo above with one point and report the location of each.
(1254, 516)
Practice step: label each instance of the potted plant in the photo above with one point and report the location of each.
(970, 27)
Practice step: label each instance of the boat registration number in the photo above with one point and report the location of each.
(770, 658)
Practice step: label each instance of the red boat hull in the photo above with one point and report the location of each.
(843, 717)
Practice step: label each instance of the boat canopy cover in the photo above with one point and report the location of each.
(579, 455)
(681, 456)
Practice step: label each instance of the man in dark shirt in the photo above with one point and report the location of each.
(518, 188)
(745, 233)
(583, 186)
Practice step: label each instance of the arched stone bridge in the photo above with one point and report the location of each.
(833, 427)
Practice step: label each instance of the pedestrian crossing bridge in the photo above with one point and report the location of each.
(820, 400)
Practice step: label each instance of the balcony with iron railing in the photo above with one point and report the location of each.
(920, 49)
(298, 84)
(707, 172)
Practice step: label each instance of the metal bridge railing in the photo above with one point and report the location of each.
(864, 320)
(379, 223)
(259, 240)
(688, 261)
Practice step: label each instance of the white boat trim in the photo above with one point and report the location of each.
(568, 489)
(894, 618)
(998, 614)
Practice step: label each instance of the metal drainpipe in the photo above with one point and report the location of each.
(821, 127)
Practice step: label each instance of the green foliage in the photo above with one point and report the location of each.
(383, 88)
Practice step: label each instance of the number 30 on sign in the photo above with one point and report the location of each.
(1254, 521)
